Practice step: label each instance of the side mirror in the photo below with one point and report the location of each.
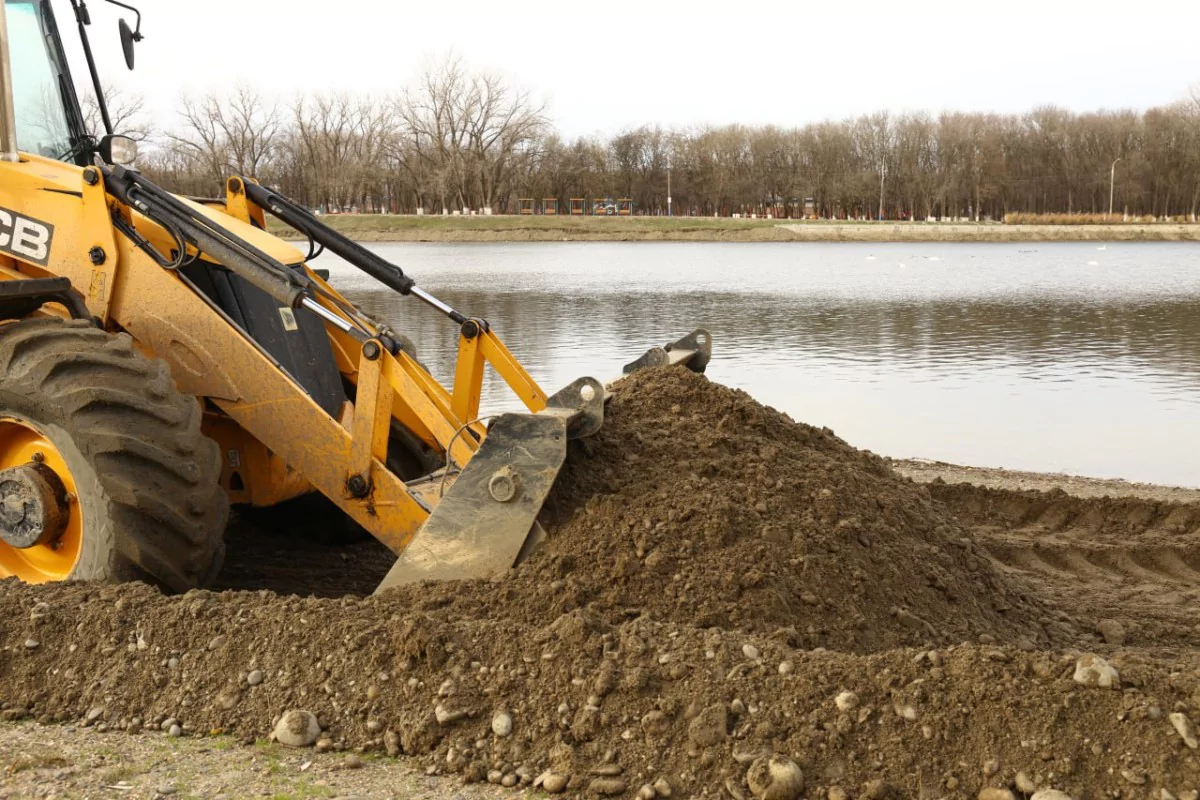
(114, 149)
(128, 37)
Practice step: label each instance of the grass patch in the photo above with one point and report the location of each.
(36, 757)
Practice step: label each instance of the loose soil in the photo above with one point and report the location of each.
(720, 583)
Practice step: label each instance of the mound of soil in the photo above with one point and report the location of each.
(720, 583)
(695, 504)
(608, 707)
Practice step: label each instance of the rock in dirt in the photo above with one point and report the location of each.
(1050, 794)
(502, 724)
(554, 783)
(775, 778)
(255, 677)
(297, 728)
(846, 701)
(1024, 783)
(993, 793)
(606, 787)
(1092, 670)
(1183, 726)
(1112, 631)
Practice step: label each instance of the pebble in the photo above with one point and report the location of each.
(875, 788)
(502, 724)
(495, 776)
(786, 667)
(662, 787)
(837, 793)
(606, 787)
(846, 701)
(554, 783)
(992, 793)
(94, 713)
(175, 731)
(324, 745)
(1183, 726)
(297, 728)
(646, 792)
(30, 644)
(751, 652)
(255, 677)
(353, 761)
(1024, 783)
(1050, 794)
(509, 780)
(1136, 778)
(775, 778)
(167, 790)
(1112, 631)
(1092, 670)
(445, 716)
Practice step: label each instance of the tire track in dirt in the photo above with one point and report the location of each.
(1133, 560)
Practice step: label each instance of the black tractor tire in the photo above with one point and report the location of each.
(147, 478)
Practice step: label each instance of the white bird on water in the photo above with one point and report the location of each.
(1103, 246)
(1093, 263)
(870, 258)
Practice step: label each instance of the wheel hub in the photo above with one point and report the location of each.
(33, 505)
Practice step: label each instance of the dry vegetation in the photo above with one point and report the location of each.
(456, 139)
(1021, 218)
(514, 228)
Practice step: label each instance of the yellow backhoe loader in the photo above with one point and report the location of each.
(162, 358)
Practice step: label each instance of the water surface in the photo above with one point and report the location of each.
(1065, 356)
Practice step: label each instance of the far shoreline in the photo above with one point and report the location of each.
(511, 228)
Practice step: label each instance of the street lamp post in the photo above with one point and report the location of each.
(1112, 182)
(668, 190)
(882, 172)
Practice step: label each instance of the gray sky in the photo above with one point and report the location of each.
(604, 66)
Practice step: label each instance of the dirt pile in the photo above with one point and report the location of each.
(720, 584)
(609, 707)
(695, 504)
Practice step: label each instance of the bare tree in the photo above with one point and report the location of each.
(126, 110)
(458, 138)
(234, 135)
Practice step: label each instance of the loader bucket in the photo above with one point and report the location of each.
(692, 351)
(486, 522)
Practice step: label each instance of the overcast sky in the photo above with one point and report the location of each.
(603, 66)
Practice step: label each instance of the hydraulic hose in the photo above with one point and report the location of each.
(286, 286)
(299, 218)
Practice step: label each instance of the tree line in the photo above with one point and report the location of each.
(458, 140)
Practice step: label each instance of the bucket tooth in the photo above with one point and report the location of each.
(692, 351)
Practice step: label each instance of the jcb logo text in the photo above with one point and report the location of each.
(27, 239)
